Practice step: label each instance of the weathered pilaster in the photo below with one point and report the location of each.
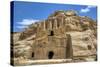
(55, 23)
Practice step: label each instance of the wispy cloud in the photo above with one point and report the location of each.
(25, 22)
(87, 9)
(21, 27)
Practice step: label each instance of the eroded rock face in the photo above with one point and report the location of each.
(82, 32)
(28, 32)
(69, 20)
(83, 43)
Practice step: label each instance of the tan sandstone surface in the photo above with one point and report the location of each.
(70, 37)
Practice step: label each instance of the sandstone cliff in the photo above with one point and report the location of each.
(83, 31)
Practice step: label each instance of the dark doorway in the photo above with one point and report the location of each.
(51, 33)
(32, 54)
(50, 55)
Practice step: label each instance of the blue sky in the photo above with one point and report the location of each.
(26, 13)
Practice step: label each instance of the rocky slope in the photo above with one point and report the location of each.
(83, 31)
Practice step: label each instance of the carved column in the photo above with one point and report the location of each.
(38, 29)
(69, 48)
(55, 23)
(50, 25)
(44, 28)
(61, 21)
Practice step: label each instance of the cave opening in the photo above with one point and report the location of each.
(51, 33)
(50, 54)
(32, 54)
